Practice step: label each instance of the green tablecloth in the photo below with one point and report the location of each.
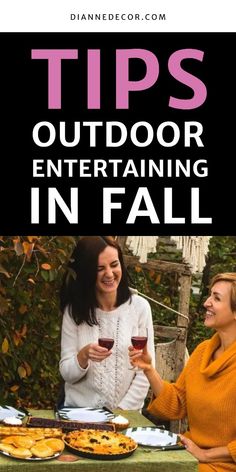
(143, 459)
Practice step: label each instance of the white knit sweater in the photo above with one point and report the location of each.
(108, 383)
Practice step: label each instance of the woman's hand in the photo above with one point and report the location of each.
(197, 452)
(213, 454)
(92, 352)
(141, 359)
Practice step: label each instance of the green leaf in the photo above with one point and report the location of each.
(45, 275)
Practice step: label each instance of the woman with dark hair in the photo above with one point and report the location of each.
(97, 303)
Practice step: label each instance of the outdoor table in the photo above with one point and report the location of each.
(142, 460)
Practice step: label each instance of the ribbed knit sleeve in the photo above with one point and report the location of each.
(171, 402)
(69, 366)
(232, 449)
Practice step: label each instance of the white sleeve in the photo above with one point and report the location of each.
(137, 392)
(69, 366)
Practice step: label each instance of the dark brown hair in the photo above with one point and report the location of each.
(78, 291)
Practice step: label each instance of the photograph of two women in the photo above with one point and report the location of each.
(127, 324)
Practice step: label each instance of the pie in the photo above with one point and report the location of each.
(100, 442)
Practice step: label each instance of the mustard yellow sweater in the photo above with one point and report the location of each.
(205, 392)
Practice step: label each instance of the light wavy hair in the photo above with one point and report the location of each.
(229, 277)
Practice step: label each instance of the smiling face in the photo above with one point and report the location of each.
(109, 271)
(219, 314)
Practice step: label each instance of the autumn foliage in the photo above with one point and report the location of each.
(31, 268)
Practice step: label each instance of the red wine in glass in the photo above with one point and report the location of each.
(139, 342)
(106, 342)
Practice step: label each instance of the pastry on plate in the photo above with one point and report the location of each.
(25, 431)
(55, 444)
(21, 453)
(6, 448)
(41, 450)
(23, 441)
(8, 440)
(37, 436)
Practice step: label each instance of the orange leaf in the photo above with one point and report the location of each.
(21, 371)
(14, 388)
(27, 368)
(18, 247)
(16, 338)
(138, 269)
(158, 279)
(5, 346)
(32, 238)
(46, 266)
(28, 249)
(23, 309)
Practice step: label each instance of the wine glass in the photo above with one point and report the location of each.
(107, 342)
(139, 339)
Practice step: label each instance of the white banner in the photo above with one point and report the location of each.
(122, 16)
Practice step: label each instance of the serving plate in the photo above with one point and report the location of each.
(88, 415)
(34, 459)
(17, 442)
(91, 442)
(7, 411)
(154, 437)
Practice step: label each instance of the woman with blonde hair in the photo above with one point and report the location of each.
(205, 391)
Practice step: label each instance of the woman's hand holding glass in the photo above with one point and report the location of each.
(139, 337)
(92, 352)
(140, 358)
